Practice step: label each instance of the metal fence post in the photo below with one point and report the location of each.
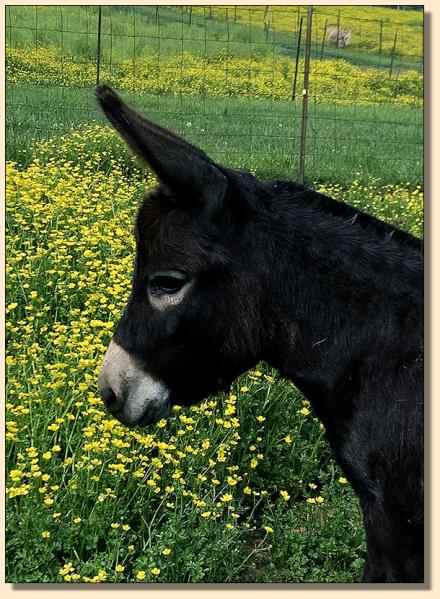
(305, 95)
(393, 53)
(98, 51)
(266, 10)
(338, 26)
(380, 36)
(298, 48)
(323, 39)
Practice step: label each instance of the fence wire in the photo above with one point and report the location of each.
(231, 80)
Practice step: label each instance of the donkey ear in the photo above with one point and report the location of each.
(178, 164)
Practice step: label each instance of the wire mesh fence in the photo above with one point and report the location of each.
(328, 93)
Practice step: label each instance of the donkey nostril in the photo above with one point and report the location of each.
(108, 397)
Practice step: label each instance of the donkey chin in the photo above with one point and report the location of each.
(132, 395)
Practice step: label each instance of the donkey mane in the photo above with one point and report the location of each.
(294, 195)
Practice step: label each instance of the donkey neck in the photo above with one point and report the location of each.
(344, 288)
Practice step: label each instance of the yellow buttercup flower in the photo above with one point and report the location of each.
(268, 529)
(226, 498)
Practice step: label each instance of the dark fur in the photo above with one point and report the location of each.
(330, 296)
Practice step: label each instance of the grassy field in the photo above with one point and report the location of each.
(241, 488)
(335, 82)
(225, 84)
(263, 136)
(144, 31)
(368, 46)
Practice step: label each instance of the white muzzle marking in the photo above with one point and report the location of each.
(140, 398)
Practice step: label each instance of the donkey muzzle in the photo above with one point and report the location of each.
(132, 395)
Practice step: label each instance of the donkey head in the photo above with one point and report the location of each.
(193, 321)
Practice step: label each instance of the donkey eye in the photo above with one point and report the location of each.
(166, 283)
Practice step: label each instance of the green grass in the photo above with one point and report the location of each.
(264, 136)
(74, 29)
(383, 141)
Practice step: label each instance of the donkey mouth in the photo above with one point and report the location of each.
(155, 410)
(152, 416)
(149, 417)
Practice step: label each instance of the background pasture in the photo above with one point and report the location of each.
(241, 488)
(182, 63)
